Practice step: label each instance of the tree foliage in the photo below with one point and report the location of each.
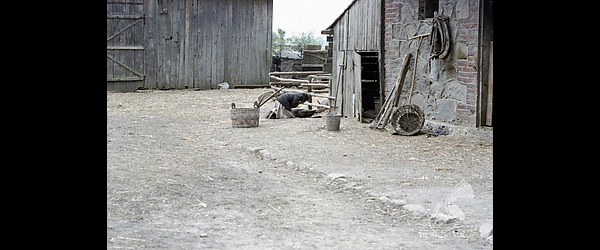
(298, 41)
(278, 40)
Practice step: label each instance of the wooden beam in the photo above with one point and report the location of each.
(422, 35)
(125, 79)
(123, 65)
(121, 31)
(300, 91)
(285, 83)
(295, 73)
(249, 86)
(124, 47)
(317, 85)
(186, 50)
(316, 105)
(288, 80)
(124, 16)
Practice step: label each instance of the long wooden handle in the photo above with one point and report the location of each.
(262, 103)
(412, 86)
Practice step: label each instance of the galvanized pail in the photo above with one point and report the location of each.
(333, 121)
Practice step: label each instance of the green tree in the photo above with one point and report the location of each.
(305, 39)
(279, 40)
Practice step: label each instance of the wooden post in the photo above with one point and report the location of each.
(186, 50)
(490, 98)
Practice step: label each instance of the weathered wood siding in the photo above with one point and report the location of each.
(125, 45)
(201, 43)
(357, 29)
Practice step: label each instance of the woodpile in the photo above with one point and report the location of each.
(313, 83)
(392, 99)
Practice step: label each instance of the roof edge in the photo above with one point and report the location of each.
(340, 16)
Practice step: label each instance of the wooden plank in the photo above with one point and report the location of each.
(393, 97)
(138, 40)
(490, 98)
(124, 47)
(122, 30)
(124, 16)
(317, 105)
(186, 51)
(288, 80)
(179, 39)
(250, 86)
(121, 25)
(356, 71)
(125, 66)
(269, 37)
(123, 2)
(297, 73)
(124, 79)
(314, 85)
(219, 60)
(149, 42)
(212, 48)
(109, 32)
(300, 91)
(284, 83)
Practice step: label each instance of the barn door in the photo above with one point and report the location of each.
(124, 45)
(356, 72)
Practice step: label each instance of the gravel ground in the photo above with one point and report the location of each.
(179, 176)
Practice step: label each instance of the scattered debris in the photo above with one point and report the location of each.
(415, 208)
(486, 230)
(440, 130)
(273, 208)
(393, 202)
(334, 176)
(223, 85)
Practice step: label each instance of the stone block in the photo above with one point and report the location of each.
(462, 9)
(444, 110)
(453, 89)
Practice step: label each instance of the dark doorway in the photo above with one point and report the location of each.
(370, 84)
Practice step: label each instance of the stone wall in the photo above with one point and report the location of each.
(446, 89)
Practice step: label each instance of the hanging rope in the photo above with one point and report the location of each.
(440, 37)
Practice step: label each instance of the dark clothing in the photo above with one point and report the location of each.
(291, 100)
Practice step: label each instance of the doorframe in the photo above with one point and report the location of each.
(486, 19)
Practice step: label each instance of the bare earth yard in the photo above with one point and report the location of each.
(179, 176)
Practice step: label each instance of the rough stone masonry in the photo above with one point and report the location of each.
(446, 89)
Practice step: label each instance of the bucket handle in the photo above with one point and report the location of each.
(255, 105)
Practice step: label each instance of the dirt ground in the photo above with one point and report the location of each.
(179, 176)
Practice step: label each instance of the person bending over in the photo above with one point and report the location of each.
(285, 103)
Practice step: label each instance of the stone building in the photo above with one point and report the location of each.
(456, 89)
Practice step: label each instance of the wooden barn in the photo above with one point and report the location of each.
(371, 38)
(181, 44)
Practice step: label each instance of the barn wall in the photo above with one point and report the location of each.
(228, 40)
(446, 89)
(192, 43)
(357, 29)
(125, 42)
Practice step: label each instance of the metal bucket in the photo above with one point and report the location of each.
(244, 117)
(333, 121)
